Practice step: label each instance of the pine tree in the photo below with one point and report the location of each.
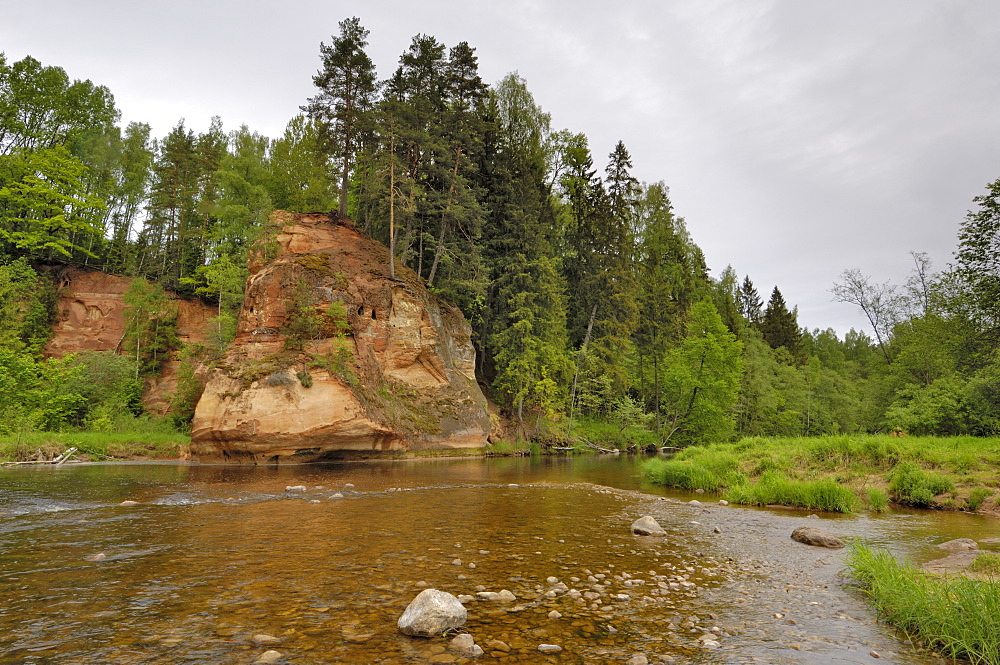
(348, 87)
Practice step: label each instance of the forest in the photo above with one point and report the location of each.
(594, 312)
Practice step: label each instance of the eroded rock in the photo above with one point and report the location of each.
(397, 363)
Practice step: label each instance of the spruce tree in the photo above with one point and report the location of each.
(780, 327)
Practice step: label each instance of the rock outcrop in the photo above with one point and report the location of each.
(90, 313)
(333, 355)
(90, 316)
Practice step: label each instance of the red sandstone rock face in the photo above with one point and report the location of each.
(404, 380)
(90, 314)
(90, 317)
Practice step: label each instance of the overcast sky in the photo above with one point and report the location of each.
(797, 138)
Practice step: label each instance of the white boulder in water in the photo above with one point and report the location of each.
(431, 613)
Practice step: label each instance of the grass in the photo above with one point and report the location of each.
(928, 472)
(774, 488)
(986, 563)
(152, 441)
(957, 616)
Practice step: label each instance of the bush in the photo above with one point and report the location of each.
(977, 496)
(878, 501)
(912, 486)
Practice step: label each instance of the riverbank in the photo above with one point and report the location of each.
(95, 446)
(957, 616)
(841, 473)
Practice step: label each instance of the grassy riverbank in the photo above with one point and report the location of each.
(149, 443)
(841, 473)
(956, 616)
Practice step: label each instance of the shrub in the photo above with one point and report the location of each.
(878, 500)
(977, 496)
(912, 486)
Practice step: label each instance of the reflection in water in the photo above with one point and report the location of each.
(213, 555)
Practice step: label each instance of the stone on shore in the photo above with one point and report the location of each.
(810, 535)
(431, 613)
(647, 526)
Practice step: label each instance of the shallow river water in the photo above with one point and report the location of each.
(211, 556)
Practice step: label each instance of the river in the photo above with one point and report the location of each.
(210, 556)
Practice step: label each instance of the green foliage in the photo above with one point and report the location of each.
(701, 379)
(987, 563)
(955, 616)
(878, 501)
(150, 326)
(700, 468)
(45, 209)
(775, 488)
(27, 307)
(912, 486)
(977, 496)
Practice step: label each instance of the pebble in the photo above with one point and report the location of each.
(101, 556)
(549, 648)
(638, 659)
(554, 614)
(723, 502)
(295, 488)
(129, 503)
(264, 638)
(348, 486)
(498, 645)
(338, 495)
(268, 657)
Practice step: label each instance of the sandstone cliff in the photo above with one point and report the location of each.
(331, 355)
(90, 317)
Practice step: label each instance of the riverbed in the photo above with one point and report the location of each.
(208, 558)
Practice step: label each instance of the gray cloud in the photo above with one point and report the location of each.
(798, 139)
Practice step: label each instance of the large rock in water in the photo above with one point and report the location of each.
(810, 535)
(396, 373)
(431, 613)
(647, 526)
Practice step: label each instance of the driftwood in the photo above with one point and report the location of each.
(57, 461)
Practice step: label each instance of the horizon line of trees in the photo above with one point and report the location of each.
(588, 298)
